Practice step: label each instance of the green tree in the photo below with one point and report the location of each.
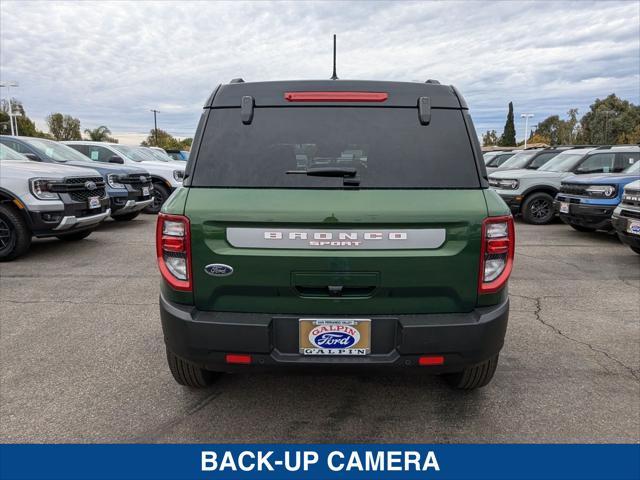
(100, 134)
(489, 138)
(64, 127)
(557, 131)
(610, 120)
(167, 141)
(508, 138)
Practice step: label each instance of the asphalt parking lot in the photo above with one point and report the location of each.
(83, 358)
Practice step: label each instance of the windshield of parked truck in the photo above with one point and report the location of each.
(8, 154)
(633, 169)
(563, 162)
(158, 155)
(134, 153)
(310, 147)
(55, 151)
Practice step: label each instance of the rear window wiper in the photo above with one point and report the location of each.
(348, 174)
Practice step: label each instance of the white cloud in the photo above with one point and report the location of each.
(110, 62)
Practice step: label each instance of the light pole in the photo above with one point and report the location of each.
(155, 125)
(606, 124)
(526, 117)
(8, 85)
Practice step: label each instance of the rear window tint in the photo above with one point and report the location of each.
(388, 147)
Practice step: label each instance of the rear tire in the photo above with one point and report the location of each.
(189, 375)
(15, 236)
(125, 217)
(582, 229)
(473, 377)
(635, 249)
(537, 209)
(160, 193)
(74, 237)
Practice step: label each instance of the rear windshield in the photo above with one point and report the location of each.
(388, 147)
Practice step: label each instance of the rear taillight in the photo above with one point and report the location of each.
(496, 253)
(173, 249)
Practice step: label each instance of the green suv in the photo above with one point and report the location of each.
(335, 224)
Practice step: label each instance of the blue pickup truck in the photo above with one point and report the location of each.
(586, 202)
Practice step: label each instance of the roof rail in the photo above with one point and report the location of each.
(236, 80)
(431, 80)
(607, 147)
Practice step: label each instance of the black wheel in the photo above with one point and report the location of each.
(538, 208)
(160, 193)
(75, 236)
(125, 217)
(473, 377)
(635, 249)
(581, 228)
(15, 236)
(188, 374)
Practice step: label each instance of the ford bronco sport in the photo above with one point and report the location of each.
(586, 202)
(531, 192)
(335, 223)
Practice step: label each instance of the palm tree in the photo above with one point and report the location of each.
(99, 134)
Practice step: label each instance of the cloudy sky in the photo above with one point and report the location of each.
(108, 63)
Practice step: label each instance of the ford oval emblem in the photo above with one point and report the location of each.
(218, 270)
(334, 339)
(143, 179)
(90, 185)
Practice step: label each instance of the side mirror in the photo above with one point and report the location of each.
(116, 159)
(32, 157)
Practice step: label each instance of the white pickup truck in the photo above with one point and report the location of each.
(46, 200)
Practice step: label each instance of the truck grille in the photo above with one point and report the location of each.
(80, 189)
(137, 181)
(630, 213)
(631, 197)
(574, 189)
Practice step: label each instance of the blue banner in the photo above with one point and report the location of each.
(319, 462)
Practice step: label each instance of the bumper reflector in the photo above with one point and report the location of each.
(431, 360)
(238, 359)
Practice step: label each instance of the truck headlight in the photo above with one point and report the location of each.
(602, 191)
(504, 184)
(178, 175)
(41, 189)
(112, 180)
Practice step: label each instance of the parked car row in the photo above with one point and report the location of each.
(65, 189)
(584, 185)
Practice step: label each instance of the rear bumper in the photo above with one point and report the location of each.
(205, 338)
(590, 216)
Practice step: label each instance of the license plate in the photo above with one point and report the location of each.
(94, 202)
(145, 191)
(633, 227)
(335, 336)
(564, 207)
